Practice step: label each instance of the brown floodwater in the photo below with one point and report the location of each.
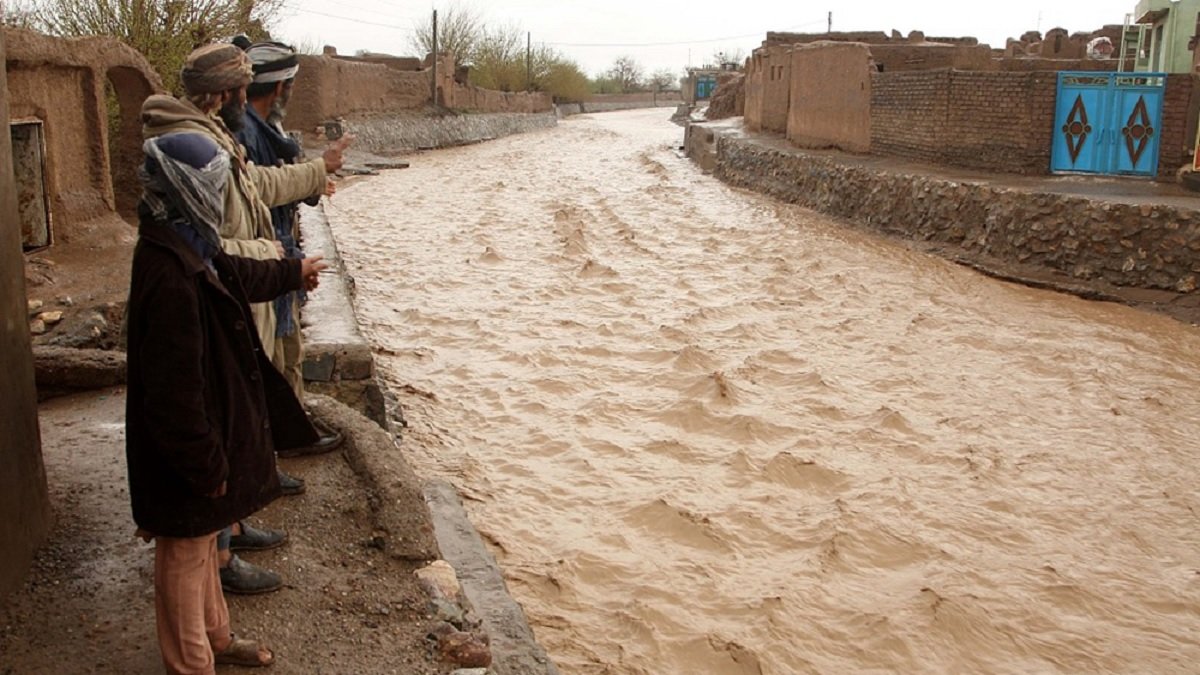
(709, 433)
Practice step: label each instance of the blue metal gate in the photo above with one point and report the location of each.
(1108, 123)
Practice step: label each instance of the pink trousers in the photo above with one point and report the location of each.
(193, 620)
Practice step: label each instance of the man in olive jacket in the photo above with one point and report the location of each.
(205, 408)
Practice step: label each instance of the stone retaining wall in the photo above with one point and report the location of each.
(1141, 246)
(402, 133)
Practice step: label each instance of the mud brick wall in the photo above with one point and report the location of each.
(992, 121)
(1176, 151)
(908, 111)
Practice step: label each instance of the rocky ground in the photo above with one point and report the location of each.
(348, 605)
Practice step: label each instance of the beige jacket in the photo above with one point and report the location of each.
(253, 190)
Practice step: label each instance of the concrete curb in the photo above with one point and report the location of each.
(337, 352)
(338, 361)
(515, 651)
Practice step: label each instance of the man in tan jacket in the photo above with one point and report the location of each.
(215, 79)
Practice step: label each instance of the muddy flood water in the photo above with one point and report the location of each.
(709, 433)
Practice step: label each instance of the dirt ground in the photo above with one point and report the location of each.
(347, 607)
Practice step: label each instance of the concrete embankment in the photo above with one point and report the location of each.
(1114, 239)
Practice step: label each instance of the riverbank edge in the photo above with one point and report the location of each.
(1121, 249)
(336, 348)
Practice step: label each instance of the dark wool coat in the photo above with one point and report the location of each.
(204, 405)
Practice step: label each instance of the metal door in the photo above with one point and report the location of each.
(1079, 123)
(1137, 106)
(1108, 123)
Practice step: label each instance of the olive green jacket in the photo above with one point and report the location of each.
(247, 230)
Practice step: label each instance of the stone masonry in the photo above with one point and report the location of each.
(1152, 246)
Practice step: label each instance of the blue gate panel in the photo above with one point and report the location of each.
(1138, 111)
(1108, 123)
(1079, 127)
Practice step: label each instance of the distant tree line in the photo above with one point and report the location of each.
(498, 57)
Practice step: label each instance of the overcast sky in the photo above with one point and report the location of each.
(674, 35)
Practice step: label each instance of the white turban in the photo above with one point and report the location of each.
(273, 62)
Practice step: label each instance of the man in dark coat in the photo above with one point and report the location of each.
(206, 410)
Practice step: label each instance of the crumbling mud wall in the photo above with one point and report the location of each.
(729, 98)
(24, 502)
(329, 88)
(833, 110)
(890, 58)
(74, 88)
(768, 89)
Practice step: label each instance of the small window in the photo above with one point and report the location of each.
(29, 172)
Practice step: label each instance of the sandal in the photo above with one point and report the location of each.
(245, 653)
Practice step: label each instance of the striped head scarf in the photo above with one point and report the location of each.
(273, 62)
(216, 68)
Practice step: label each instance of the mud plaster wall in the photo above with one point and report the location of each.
(328, 88)
(77, 176)
(63, 83)
(830, 97)
(982, 120)
(24, 502)
(771, 69)
(1138, 246)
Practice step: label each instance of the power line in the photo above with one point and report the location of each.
(673, 44)
(347, 18)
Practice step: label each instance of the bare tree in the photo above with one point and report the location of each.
(499, 61)
(664, 78)
(723, 58)
(460, 30)
(165, 31)
(627, 72)
(19, 13)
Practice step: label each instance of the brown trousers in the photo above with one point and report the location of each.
(193, 620)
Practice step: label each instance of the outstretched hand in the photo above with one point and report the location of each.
(310, 271)
(333, 156)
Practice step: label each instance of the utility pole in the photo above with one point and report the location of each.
(830, 31)
(529, 61)
(435, 60)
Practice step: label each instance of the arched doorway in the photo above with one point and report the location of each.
(125, 91)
